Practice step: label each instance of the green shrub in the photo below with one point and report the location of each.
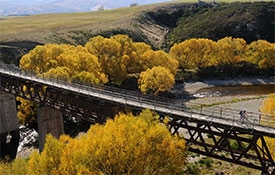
(205, 161)
(192, 169)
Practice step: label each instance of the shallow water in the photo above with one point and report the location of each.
(262, 89)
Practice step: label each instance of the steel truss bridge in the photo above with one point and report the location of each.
(207, 132)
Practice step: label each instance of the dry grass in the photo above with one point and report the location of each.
(40, 27)
(37, 27)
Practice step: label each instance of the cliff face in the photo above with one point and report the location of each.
(163, 25)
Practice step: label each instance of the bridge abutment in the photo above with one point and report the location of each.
(9, 127)
(50, 121)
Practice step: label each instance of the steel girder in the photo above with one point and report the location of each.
(70, 104)
(250, 148)
(228, 144)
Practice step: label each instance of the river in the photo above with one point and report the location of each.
(262, 89)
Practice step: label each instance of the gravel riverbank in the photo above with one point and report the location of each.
(192, 87)
(251, 103)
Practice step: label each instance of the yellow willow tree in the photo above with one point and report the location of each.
(113, 54)
(36, 61)
(230, 51)
(268, 108)
(42, 58)
(120, 56)
(16, 167)
(156, 80)
(126, 145)
(26, 111)
(82, 65)
(152, 59)
(193, 53)
(261, 53)
(136, 63)
(60, 61)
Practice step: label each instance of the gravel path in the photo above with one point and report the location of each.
(249, 103)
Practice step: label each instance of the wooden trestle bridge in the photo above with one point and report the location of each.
(208, 133)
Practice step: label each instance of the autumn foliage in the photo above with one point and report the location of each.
(200, 53)
(268, 108)
(113, 60)
(64, 61)
(194, 53)
(126, 145)
(156, 80)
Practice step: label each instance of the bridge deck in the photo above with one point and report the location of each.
(140, 101)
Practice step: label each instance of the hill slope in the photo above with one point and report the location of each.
(251, 21)
(160, 25)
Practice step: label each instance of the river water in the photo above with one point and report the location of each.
(263, 89)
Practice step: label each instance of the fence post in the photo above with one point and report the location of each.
(201, 109)
(221, 113)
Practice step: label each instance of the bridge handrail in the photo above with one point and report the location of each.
(164, 102)
(139, 97)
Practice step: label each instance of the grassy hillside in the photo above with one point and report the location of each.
(41, 28)
(159, 25)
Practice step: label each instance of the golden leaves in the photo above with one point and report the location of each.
(193, 53)
(268, 106)
(64, 61)
(156, 80)
(119, 56)
(200, 53)
(262, 53)
(26, 111)
(126, 145)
